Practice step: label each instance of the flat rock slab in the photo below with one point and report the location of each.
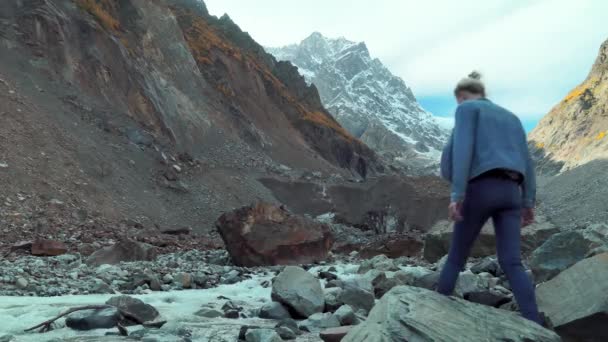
(576, 300)
(414, 314)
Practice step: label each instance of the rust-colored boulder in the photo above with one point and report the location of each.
(48, 248)
(265, 234)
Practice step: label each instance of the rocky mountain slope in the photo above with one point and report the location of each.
(154, 112)
(366, 98)
(576, 130)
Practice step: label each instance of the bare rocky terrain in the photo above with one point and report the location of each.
(160, 169)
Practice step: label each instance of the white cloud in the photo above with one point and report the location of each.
(531, 52)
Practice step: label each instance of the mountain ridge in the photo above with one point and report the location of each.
(366, 98)
(575, 131)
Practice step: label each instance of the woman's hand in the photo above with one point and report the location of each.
(527, 216)
(455, 211)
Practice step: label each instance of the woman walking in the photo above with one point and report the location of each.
(492, 175)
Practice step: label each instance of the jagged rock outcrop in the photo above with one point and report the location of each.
(367, 99)
(576, 130)
(413, 314)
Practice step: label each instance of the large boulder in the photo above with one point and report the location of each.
(576, 300)
(265, 234)
(414, 314)
(437, 240)
(123, 251)
(299, 291)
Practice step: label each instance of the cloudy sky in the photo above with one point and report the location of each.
(531, 52)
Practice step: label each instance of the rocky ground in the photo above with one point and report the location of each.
(203, 296)
(576, 197)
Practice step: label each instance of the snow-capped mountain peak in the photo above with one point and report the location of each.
(366, 98)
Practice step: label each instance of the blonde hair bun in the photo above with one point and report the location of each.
(472, 84)
(476, 75)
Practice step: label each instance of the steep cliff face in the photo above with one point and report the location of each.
(367, 99)
(575, 132)
(182, 74)
(154, 109)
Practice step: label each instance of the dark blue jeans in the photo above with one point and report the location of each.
(499, 199)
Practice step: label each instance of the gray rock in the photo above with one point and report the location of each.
(262, 335)
(134, 308)
(319, 321)
(285, 333)
(357, 298)
(427, 281)
(576, 300)
(183, 280)
(346, 315)
(380, 263)
(414, 314)
(209, 313)
(469, 282)
(382, 284)
(558, 253)
(101, 287)
(21, 283)
(231, 277)
(299, 291)
(167, 278)
(123, 251)
(489, 265)
(274, 310)
(332, 298)
(289, 323)
(7, 338)
(93, 319)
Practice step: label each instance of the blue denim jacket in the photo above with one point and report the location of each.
(485, 137)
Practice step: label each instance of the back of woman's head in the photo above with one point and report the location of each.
(471, 84)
